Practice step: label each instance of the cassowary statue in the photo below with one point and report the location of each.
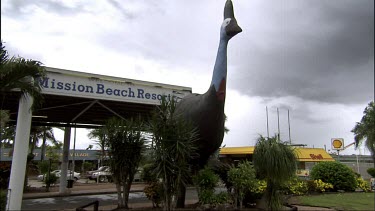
(206, 111)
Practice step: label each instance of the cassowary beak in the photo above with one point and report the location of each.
(233, 28)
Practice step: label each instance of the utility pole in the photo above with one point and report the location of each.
(268, 133)
(278, 124)
(290, 140)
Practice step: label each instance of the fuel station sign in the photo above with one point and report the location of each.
(337, 143)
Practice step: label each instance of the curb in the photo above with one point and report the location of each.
(55, 194)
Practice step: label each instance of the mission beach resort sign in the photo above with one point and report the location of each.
(118, 90)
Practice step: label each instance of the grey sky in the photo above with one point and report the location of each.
(313, 57)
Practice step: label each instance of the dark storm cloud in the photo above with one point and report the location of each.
(317, 50)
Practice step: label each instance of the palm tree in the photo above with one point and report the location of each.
(276, 163)
(42, 132)
(16, 72)
(365, 129)
(125, 146)
(173, 149)
(102, 135)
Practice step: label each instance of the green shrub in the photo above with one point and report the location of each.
(362, 184)
(243, 180)
(154, 191)
(51, 179)
(147, 174)
(255, 193)
(371, 171)
(3, 199)
(43, 166)
(205, 181)
(335, 173)
(295, 186)
(321, 186)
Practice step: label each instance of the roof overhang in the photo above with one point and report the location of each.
(303, 154)
(88, 100)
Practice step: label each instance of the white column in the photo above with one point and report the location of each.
(21, 146)
(65, 160)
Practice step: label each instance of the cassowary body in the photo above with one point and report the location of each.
(206, 111)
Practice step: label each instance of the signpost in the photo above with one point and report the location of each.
(337, 144)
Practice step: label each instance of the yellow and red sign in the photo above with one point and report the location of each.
(337, 143)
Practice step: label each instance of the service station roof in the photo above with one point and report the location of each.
(88, 100)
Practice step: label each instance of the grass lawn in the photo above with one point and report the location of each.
(341, 201)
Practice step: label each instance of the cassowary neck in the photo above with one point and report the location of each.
(219, 75)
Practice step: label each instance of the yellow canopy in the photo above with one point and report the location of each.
(312, 154)
(236, 150)
(303, 154)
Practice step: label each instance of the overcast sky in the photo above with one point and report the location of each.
(314, 58)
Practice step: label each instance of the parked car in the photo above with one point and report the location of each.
(103, 176)
(75, 176)
(106, 175)
(90, 173)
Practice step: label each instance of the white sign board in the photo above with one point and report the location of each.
(117, 89)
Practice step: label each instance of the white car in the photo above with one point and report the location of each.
(76, 176)
(103, 176)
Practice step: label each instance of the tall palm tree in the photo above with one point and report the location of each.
(276, 163)
(42, 132)
(125, 146)
(16, 72)
(174, 148)
(365, 129)
(102, 136)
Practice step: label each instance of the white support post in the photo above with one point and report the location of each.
(65, 160)
(21, 146)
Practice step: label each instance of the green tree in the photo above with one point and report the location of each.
(243, 179)
(276, 163)
(174, 146)
(365, 129)
(125, 145)
(36, 133)
(335, 173)
(16, 72)
(101, 135)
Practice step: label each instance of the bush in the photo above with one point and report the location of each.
(51, 179)
(147, 174)
(243, 180)
(206, 181)
(362, 184)
(154, 191)
(3, 199)
(335, 173)
(255, 193)
(295, 186)
(321, 186)
(371, 171)
(43, 166)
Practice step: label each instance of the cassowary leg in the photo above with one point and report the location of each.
(181, 197)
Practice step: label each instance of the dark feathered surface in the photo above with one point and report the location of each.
(207, 114)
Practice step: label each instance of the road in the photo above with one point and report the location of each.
(72, 202)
